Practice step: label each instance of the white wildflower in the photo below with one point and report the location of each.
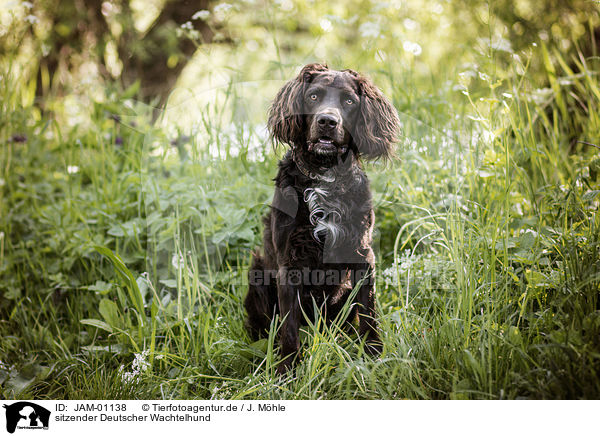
(369, 30)
(407, 260)
(140, 365)
(410, 24)
(484, 77)
(412, 48)
(177, 261)
(518, 209)
(401, 265)
(532, 232)
(222, 7)
(221, 10)
(390, 277)
(201, 15)
(325, 24)
(502, 44)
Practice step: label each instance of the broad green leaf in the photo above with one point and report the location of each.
(110, 312)
(98, 324)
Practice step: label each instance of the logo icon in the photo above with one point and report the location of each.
(26, 415)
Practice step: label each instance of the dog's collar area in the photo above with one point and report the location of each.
(327, 174)
(323, 174)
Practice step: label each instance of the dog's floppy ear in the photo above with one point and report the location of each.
(378, 125)
(285, 116)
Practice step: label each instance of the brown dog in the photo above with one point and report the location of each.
(318, 234)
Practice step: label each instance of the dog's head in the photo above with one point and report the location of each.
(328, 112)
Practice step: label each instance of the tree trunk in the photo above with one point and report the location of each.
(81, 23)
(155, 58)
(146, 58)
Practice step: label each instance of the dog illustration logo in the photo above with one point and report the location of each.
(26, 415)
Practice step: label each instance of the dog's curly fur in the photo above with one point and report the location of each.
(321, 218)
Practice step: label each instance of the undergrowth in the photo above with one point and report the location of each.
(124, 249)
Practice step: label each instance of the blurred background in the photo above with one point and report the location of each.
(179, 52)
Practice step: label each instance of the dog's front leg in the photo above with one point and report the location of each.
(288, 291)
(364, 276)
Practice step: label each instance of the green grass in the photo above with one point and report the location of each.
(121, 239)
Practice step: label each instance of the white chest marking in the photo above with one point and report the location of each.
(324, 214)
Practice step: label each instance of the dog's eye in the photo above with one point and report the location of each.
(349, 101)
(313, 97)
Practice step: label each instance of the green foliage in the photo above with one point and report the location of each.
(124, 246)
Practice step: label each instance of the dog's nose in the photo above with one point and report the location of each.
(328, 121)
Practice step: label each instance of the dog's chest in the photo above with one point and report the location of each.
(326, 212)
(329, 212)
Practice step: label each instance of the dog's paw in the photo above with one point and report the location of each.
(374, 346)
(285, 366)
